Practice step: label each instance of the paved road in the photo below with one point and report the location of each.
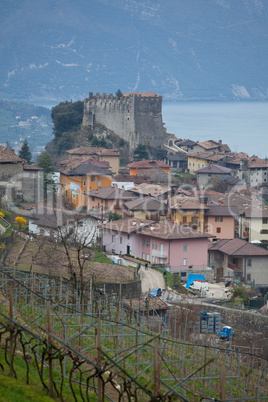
(151, 278)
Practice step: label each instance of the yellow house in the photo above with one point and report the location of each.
(101, 154)
(198, 160)
(80, 176)
(188, 211)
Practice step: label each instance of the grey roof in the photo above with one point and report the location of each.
(238, 247)
(214, 169)
(145, 204)
(222, 210)
(112, 193)
(86, 168)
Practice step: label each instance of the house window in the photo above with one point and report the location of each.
(113, 238)
(143, 242)
(143, 256)
(121, 240)
(185, 247)
(185, 261)
(218, 230)
(93, 198)
(234, 261)
(249, 262)
(156, 246)
(128, 236)
(264, 231)
(85, 182)
(184, 211)
(99, 183)
(156, 260)
(148, 243)
(194, 211)
(264, 221)
(147, 257)
(153, 245)
(218, 256)
(184, 219)
(218, 219)
(248, 277)
(93, 178)
(153, 259)
(189, 163)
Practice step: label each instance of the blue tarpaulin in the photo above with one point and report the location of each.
(192, 278)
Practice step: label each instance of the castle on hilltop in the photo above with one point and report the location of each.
(136, 116)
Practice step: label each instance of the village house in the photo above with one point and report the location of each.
(198, 160)
(188, 211)
(147, 208)
(135, 167)
(210, 146)
(108, 199)
(177, 162)
(254, 223)
(158, 191)
(207, 176)
(80, 175)
(10, 164)
(181, 248)
(221, 222)
(57, 223)
(101, 154)
(252, 170)
(236, 258)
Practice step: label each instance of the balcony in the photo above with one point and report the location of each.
(159, 254)
(234, 267)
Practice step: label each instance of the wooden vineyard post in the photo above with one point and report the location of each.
(50, 361)
(222, 384)
(98, 358)
(11, 315)
(157, 367)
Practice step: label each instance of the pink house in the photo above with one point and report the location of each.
(180, 247)
(220, 221)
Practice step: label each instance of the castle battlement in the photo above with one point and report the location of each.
(136, 116)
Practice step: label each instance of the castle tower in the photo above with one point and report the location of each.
(136, 117)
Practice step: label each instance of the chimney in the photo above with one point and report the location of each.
(152, 227)
(134, 222)
(220, 142)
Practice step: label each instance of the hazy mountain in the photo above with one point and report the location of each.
(195, 49)
(19, 121)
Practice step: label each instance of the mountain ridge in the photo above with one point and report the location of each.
(195, 50)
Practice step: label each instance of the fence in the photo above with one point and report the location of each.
(100, 350)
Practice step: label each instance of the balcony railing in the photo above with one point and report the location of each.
(159, 254)
(234, 267)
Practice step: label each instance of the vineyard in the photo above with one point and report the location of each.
(104, 347)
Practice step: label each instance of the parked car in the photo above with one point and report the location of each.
(155, 292)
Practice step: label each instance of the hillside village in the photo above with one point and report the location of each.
(174, 213)
(159, 246)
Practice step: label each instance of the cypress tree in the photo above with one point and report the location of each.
(25, 152)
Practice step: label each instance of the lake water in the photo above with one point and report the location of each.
(241, 125)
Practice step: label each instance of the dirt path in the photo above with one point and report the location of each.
(151, 278)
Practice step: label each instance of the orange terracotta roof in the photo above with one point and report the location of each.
(7, 155)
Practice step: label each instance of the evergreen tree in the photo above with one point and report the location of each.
(25, 152)
(141, 152)
(46, 163)
(119, 93)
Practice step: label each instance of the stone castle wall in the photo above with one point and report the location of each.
(135, 118)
